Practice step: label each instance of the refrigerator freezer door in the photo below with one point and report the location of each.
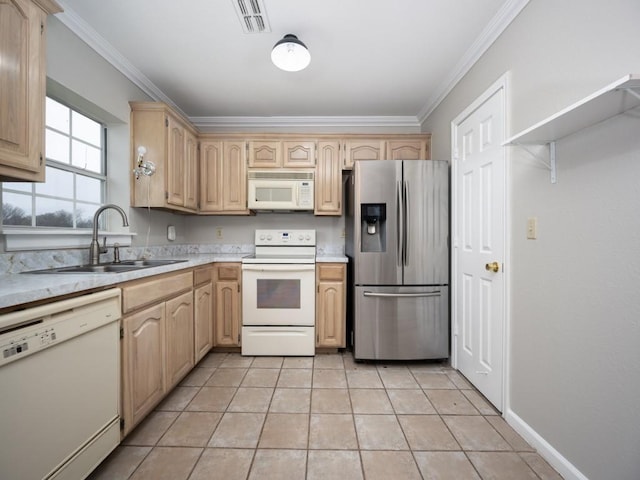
(377, 183)
(401, 323)
(426, 249)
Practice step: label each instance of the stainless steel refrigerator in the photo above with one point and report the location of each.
(397, 241)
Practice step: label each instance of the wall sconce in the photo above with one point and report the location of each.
(144, 167)
(290, 54)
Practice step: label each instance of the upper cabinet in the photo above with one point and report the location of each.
(171, 144)
(23, 88)
(362, 149)
(271, 153)
(223, 177)
(408, 149)
(328, 184)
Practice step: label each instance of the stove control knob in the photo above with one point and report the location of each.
(308, 237)
(300, 237)
(262, 237)
(269, 237)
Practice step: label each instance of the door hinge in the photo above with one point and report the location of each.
(166, 122)
(122, 424)
(41, 158)
(238, 288)
(41, 28)
(121, 332)
(166, 195)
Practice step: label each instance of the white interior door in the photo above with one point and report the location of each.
(479, 226)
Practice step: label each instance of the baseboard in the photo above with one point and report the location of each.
(563, 466)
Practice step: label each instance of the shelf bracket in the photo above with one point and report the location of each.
(551, 164)
(631, 91)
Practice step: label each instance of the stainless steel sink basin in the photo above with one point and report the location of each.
(124, 266)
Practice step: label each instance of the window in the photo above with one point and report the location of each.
(75, 175)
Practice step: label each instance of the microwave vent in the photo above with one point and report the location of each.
(279, 175)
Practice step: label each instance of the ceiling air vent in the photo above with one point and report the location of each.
(252, 15)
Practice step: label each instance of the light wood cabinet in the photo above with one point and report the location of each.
(227, 301)
(23, 26)
(157, 341)
(180, 339)
(328, 184)
(408, 149)
(223, 177)
(143, 371)
(362, 149)
(299, 154)
(171, 144)
(285, 153)
(331, 305)
(202, 311)
(265, 153)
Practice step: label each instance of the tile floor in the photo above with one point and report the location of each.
(326, 417)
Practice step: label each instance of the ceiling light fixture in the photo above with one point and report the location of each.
(290, 54)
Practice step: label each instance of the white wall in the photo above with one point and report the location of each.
(575, 312)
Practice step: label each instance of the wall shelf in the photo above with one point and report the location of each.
(612, 100)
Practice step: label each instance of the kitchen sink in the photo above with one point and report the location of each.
(123, 266)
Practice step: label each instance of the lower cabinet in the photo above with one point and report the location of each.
(331, 280)
(228, 303)
(203, 311)
(179, 336)
(143, 353)
(157, 341)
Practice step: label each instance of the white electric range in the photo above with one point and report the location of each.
(278, 294)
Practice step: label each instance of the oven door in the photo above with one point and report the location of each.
(278, 294)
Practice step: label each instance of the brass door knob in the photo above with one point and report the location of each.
(492, 267)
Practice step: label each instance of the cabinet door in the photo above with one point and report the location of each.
(211, 186)
(179, 335)
(362, 149)
(143, 353)
(265, 154)
(191, 171)
(234, 177)
(227, 305)
(407, 150)
(175, 163)
(328, 184)
(203, 320)
(330, 305)
(299, 154)
(22, 83)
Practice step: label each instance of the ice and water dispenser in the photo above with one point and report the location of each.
(373, 227)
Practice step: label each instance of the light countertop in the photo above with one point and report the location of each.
(22, 288)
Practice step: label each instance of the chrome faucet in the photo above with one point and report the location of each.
(94, 248)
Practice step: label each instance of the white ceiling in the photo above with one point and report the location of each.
(372, 61)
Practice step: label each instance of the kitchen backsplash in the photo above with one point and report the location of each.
(17, 262)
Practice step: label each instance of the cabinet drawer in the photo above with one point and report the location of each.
(202, 275)
(229, 272)
(333, 272)
(144, 292)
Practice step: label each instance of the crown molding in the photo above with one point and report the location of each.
(103, 48)
(499, 23)
(306, 122)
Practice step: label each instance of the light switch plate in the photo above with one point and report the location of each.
(532, 228)
(219, 234)
(171, 233)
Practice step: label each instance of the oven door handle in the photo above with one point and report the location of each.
(279, 267)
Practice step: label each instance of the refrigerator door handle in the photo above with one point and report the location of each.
(405, 240)
(406, 295)
(399, 224)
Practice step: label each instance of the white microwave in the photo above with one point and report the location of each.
(280, 190)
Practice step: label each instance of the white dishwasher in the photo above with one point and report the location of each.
(59, 387)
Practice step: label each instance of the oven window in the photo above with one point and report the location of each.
(274, 293)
